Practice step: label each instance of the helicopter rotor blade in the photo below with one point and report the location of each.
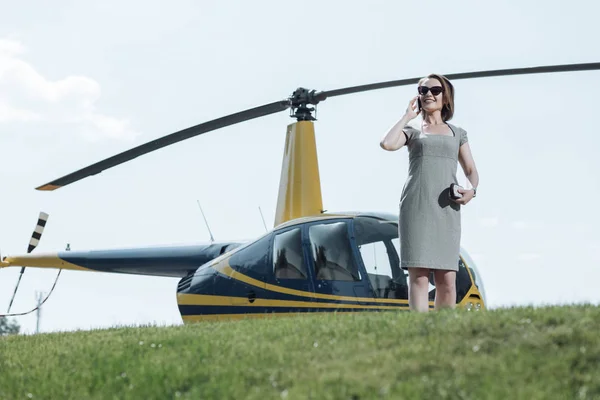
(463, 75)
(164, 141)
(299, 99)
(33, 243)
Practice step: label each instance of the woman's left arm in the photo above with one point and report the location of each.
(468, 165)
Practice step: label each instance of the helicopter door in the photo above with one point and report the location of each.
(334, 261)
(377, 241)
(289, 266)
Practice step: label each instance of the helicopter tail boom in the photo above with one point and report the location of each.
(51, 260)
(171, 261)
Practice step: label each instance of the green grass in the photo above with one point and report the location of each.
(524, 353)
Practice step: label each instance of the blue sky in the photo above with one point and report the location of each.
(80, 82)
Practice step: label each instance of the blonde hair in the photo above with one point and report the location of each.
(447, 95)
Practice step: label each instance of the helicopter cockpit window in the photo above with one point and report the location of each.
(253, 259)
(332, 253)
(288, 262)
(379, 248)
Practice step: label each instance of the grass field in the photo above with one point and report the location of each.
(524, 353)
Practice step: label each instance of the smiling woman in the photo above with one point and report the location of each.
(430, 221)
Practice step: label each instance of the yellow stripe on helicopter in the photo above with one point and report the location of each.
(210, 300)
(228, 317)
(225, 269)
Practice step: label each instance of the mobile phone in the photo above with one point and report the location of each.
(454, 194)
(418, 104)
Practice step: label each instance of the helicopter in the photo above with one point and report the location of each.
(312, 260)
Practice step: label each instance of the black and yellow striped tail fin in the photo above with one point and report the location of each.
(33, 243)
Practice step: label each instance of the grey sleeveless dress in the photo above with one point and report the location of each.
(430, 223)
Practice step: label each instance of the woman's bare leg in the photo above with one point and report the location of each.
(445, 289)
(418, 289)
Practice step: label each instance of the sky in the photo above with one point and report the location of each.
(80, 82)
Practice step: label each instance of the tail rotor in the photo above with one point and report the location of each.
(33, 243)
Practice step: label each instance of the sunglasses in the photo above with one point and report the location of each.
(435, 90)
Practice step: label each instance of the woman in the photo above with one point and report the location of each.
(430, 222)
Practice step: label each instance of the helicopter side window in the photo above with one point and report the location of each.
(377, 264)
(288, 262)
(332, 254)
(379, 248)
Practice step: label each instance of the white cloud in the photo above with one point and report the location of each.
(8, 46)
(27, 96)
(8, 113)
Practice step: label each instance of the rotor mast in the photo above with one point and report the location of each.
(300, 183)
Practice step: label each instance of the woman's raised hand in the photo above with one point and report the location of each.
(411, 110)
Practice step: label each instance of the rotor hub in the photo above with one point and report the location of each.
(299, 104)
